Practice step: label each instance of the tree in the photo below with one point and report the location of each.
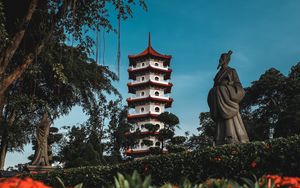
(36, 28)
(33, 30)
(77, 151)
(170, 121)
(264, 101)
(151, 127)
(54, 87)
(177, 144)
(289, 120)
(206, 136)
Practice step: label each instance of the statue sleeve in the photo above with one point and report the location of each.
(236, 90)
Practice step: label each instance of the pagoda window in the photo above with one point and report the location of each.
(142, 93)
(142, 109)
(156, 78)
(143, 64)
(157, 144)
(157, 109)
(143, 78)
(156, 64)
(156, 93)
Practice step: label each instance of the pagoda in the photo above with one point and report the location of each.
(149, 72)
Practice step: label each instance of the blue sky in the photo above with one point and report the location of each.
(261, 34)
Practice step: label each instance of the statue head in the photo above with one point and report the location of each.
(224, 59)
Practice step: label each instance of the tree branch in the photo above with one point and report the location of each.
(8, 52)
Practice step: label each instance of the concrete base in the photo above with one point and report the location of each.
(39, 169)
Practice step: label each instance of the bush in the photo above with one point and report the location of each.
(277, 156)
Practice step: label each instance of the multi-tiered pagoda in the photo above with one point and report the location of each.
(150, 87)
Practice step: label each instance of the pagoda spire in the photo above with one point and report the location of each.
(149, 40)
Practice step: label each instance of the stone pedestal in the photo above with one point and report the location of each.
(39, 169)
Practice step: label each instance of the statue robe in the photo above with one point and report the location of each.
(223, 101)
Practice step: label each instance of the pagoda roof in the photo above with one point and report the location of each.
(129, 152)
(135, 152)
(149, 52)
(168, 101)
(133, 86)
(134, 71)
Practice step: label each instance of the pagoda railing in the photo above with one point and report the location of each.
(142, 67)
(146, 96)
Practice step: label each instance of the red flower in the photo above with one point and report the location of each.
(217, 158)
(253, 164)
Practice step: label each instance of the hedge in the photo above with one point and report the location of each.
(276, 156)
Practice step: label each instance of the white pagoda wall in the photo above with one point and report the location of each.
(150, 108)
(149, 91)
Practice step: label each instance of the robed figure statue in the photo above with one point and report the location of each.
(223, 101)
(41, 157)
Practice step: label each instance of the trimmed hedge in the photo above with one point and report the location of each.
(277, 156)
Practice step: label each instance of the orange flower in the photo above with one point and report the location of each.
(19, 183)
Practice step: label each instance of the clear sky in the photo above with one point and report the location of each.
(261, 33)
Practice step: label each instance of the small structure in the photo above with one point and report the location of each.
(41, 161)
(150, 73)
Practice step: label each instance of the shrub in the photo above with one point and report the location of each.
(277, 156)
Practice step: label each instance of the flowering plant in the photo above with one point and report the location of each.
(278, 181)
(21, 183)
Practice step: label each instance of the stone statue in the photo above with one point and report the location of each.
(223, 101)
(41, 157)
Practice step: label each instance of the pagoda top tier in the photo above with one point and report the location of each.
(149, 52)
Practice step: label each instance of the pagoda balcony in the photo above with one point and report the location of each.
(133, 100)
(133, 72)
(149, 80)
(134, 86)
(145, 97)
(142, 115)
(132, 68)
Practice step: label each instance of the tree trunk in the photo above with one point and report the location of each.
(3, 151)
(29, 58)
(8, 52)
(4, 137)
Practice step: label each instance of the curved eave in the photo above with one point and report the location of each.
(129, 152)
(133, 86)
(132, 101)
(139, 116)
(134, 152)
(133, 72)
(149, 52)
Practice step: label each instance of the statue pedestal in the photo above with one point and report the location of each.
(39, 169)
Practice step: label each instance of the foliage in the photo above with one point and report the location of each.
(147, 142)
(277, 156)
(196, 142)
(134, 181)
(151, 127)
(79, 150)
(39, 72)
(170, 122)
